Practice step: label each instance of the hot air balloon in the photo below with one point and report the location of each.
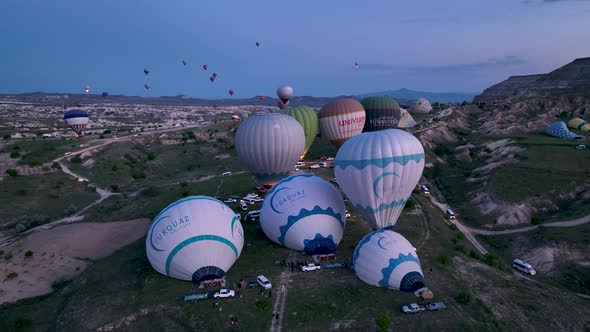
(244, 115)
(269, 145)
(235, 117)
(378, 171)
(87, 89)
(356, 65)
(205, 67)
(308, 119)
(146, 71)
(231, 92)
(386, 259)
(184, 243)
(212, 79)
(77, 120)
(147, 86)
(341, 120)
(214, 75)
(422, 106)
(257, 44)
(261, 97)
(406, 121)
(284, 93)
(304, 212)
(184, 62)
(382, 113)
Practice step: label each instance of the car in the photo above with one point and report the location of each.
(224, 293)
(243, 205)
(115, 138)
(451, 214)
(330, 158)
(258, 199)
(334, 180)
(226, 173)
(581, 147)
(249, 200)
(347, 214)
(523, 266)
(412, 308)
(252, 215)
(314, 166)
(436, 306)
(309, 267)
(67, 154)
(230, 200)
(263, 282)
(425, 189)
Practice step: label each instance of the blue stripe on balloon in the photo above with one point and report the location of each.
(291, 178)
(303, 213)
(381, 207)
(393, 263)
(380, 162)
(194, 239)
(364, 241)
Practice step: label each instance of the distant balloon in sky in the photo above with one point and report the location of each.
(304, 212)
(386, 259)
(214, 75)
(87, 89)
(147, 86)
(231, 92)
(341, 120)
(308, 119)
(269, 145)
(184, 243)
(146, 71)
(184, 62)
(261, 97)
(77, 120)
(257, 44)
(356, 65)
(105, 94)
(284, 93)
(378, 171)
(205, 67)
(212, 79)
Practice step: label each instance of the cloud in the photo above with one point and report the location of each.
(528, 2)
(377, 67)
(494, 63)
(421, 20)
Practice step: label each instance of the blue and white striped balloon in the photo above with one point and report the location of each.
(304, 212)
(386, 259)
(378, 171)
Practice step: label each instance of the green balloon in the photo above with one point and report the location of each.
(382, 113)
(308, 119)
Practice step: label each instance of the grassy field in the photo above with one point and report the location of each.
(37, 152)
(37, 199)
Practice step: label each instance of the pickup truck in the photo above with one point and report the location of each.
(224, 293)
(435, 306)
(196, 297)
(412, 308)
(309, 267)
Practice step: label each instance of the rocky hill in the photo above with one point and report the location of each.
(573, 78)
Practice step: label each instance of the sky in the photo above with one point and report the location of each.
(426, 45)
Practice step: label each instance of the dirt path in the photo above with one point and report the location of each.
(279, 307)
(426, 230)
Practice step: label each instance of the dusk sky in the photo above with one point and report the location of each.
(426, 45)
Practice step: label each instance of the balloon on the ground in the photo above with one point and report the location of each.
(559, 130)
(578, 124)
(382, 113)
(284, 93)
(77, 120)
(304, 212)
(341, 120)
(386, 259)
(422, 106)
(196, 238)
(269, 145)
(378, 171)
(308, 119)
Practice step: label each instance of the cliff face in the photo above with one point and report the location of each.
(572, 78)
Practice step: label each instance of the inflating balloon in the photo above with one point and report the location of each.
(77, 120)
(341, 120)
(308, 119)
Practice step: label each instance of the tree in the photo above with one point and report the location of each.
(151, 156)
(11, 172)
(14, 154)
(463, 297)
(7, 137)
(383, 322)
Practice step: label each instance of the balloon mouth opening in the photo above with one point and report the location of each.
(412, 282)
(388, 228)
(320, 247)
(208, 273)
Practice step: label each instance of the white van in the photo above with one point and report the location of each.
(252, 215)
(263, 282)
(249, 200)
(243, 205)
(524, 267)
(451, 214)
(226, 173)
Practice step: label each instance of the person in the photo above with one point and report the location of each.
(261, 291)
(270, 293)
(277, 316)
(274, 314)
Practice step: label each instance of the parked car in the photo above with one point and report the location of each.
(347, 214)
(425, 189)
(224, 293)
(197, 297)
(523, 266)
(243, 206)
(226, 173)
(263, 282)
(334, 180)
(314, 166)
(252, 215)
(451, 214)
(330, 158)
(412, 308)
(436, 306)
(309, 267)
(230, 200)
(581, 147)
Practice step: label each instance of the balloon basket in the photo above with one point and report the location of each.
(324, 258)
(213, 283)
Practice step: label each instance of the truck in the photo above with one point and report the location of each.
(412, 308)
(224, 293)
(197, 297)
(309, 267)
(435, 306)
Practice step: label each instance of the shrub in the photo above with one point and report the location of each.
(71, 209)
(383, 322)
(494, 261)
(263, 305)
(463, 297)
(14, 154)
(151, 156)
(106, 132)
(114, 168)
(184, 184)
(444, 259)
(8, 256)
(441, 150)
(56, 165)
(535, 220)
(114, 187)
(11, 172)
(11, 275)
(76, 160)
(151, 191)
(101, 136)
(409, 205)
(21, 192)
(28, 254)
(15, 147)
(7, 137)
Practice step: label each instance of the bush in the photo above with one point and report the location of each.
(101, 136)
(21, 192)
(76, 160)
(7, 137)
(535, 220)
(151, 156)
(11, 275)
(114, 168)
(444, 259)
(263, 305)
(11, 172)
(383, 322)
(151, 191)
(14, 154)
(8, 256)
(56, 165)
(463, 297)
(494, 261)
(441, 150)
(106, 132)
(20, 323)
(71, 209)
(409, 205)
(28, 254)
(114, 187)
(15, 147)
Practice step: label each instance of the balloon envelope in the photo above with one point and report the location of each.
(382, 113)
(341, 120)
(422, 106)
(184, 62)
(77, 120)
(147, 86)
(378, 171)
(196, 238)
(205, 67)
(270, 145)
(231, 92)
(386, 259)
(87, 89)
(284, 93)
(146, 71)
(304, 212)
(308, 119)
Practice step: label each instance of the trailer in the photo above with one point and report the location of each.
(197, 297)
